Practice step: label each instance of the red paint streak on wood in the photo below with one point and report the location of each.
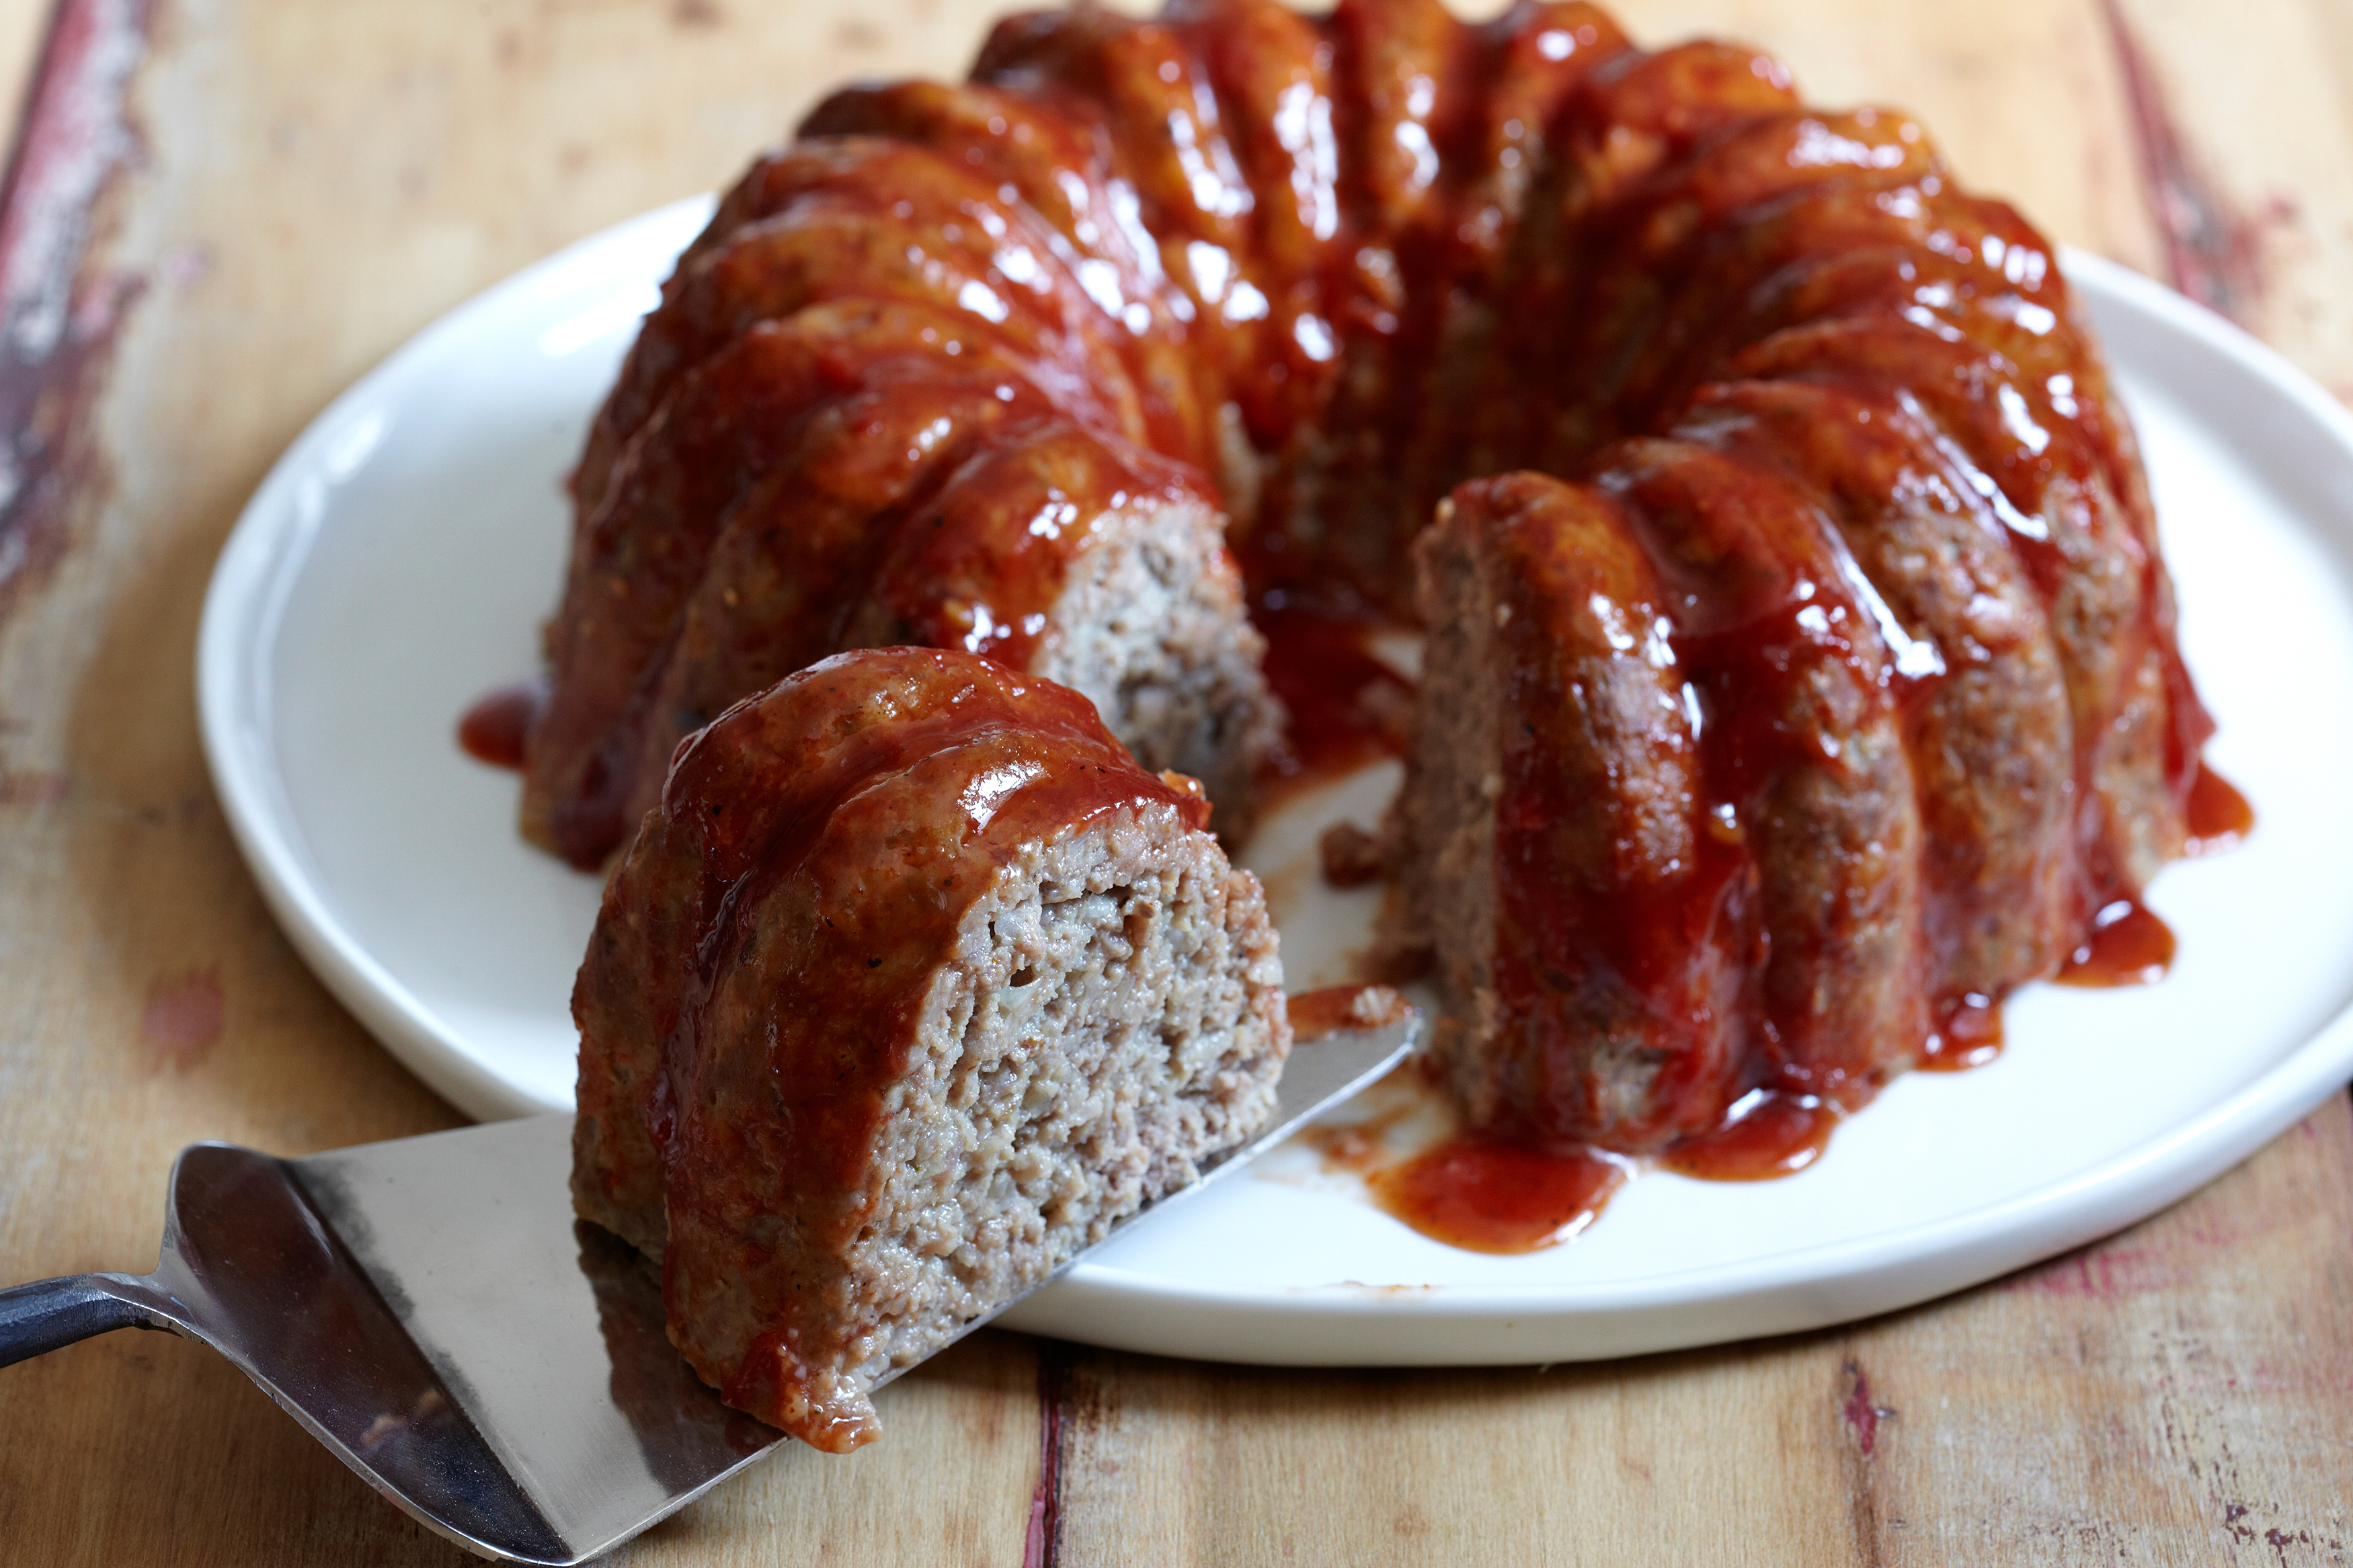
(1041, 1547)
(2212, 250)
(33, 788)
(1860, 1413)
(2111, 1274)
(59, 318)
(183, 1020)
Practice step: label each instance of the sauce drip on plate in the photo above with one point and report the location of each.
(498, 726)
(2129, 946)
(1776, 1134)
(1498, 1198)
(2219, 815)
(1348, 706)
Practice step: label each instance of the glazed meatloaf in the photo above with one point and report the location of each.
(821, 472)
(1696, 807)
(1802, 670)
(912, 984)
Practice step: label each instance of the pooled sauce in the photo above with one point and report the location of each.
(1969, 1035)
(497, 726)
(1498, 1198)
(1509, 1198)
(1347, 707)
(2129, 946)
(1314, 1014)
(2219, 815)
(1777, 1135)
(1487, 1194)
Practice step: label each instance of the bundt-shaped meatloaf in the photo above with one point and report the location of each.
(911, 985)
(1840, 661)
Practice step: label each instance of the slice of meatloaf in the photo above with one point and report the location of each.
(1992, 742)
(913, 986)
(1802, 744)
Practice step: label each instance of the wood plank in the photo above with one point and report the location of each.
(953, 1480)
(290, 223)
(2243, 131)
(24, 25)
(317, 181)
(142, 1447)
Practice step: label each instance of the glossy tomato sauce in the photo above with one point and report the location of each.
(496, 729)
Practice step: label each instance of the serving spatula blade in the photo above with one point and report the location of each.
(430, 1310)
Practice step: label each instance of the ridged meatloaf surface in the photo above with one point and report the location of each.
(819, 483)
(981, 364)
(913, 984)
(1690, 813)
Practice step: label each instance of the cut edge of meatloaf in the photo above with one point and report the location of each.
(1073, 555)
(1093, 563)
(1151, 626)
(1110, 1016)
(1047, 545)
(1443, 821)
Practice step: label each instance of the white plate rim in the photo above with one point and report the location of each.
(1488, 1324)
(244, 605)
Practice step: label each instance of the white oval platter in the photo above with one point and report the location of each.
(396, 563)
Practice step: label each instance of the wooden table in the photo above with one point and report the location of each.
(222, 211)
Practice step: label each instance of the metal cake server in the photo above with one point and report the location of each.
(431, 1312)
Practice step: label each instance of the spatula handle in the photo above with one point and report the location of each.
(41, 1317)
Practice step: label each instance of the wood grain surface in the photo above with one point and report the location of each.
(222, 211)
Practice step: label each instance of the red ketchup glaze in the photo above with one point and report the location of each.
(1583, 950)
(1498, 1198)
(1778, 1135)
(2128, 945)
(2219, 816)
(1488, 1195)
(498, 726)
(1968, 1034)
(1314, 1014)
(1347, 707)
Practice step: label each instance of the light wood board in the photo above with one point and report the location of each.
(249, 203)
